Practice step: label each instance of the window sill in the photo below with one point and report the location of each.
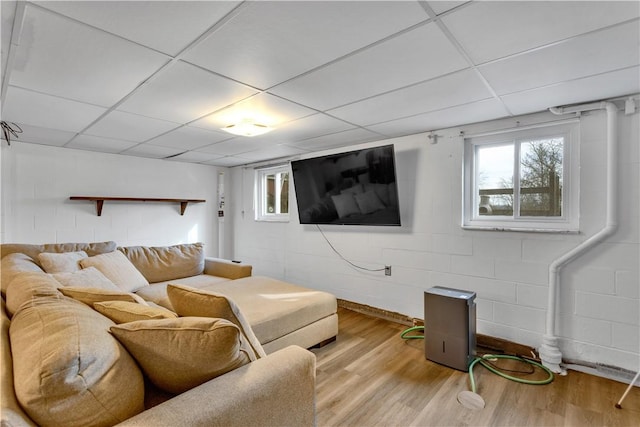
(520, 229)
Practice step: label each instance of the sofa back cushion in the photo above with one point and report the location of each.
(68, 369)
(14, 264)
(28, 286)
(11, 414)
(159, 264)
(91, 249)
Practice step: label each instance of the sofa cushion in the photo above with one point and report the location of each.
(89, 277)
(118, 269)
(27, 286)
(187, 301)
(68, 369)
(159, 264)
(125, 311)
(64, 262)
(182, 353)
(91, 249)
(90, 296)
(12, 265)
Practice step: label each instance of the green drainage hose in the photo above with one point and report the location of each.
(472, 400)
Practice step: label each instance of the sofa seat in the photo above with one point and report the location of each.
(275, 308)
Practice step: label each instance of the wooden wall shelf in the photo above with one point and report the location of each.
(100, 201)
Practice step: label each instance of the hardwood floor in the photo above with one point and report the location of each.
(372, 377)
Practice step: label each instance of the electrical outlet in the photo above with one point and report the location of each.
(387, 270)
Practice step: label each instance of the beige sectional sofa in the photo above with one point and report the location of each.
(67, 359)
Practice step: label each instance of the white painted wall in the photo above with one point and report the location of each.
(599, 299)
(37, 181)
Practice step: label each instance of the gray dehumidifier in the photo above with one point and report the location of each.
(450, 327)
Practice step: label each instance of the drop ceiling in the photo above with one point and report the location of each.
(160, 79)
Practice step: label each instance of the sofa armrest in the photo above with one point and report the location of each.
(277, 390)
(225, 268)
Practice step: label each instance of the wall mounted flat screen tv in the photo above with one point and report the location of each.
(352, 188)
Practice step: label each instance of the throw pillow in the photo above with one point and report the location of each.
(369, 202)
(68, 369)
(118, 269)
(90, 296)
(63, 262)
(182, 353)
(87, 278)
(188, 301)
(345, 204)
(125, 311)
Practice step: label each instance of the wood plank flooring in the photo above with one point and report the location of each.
(372, 377)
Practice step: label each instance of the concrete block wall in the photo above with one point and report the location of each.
(599, 307)
(37, 181)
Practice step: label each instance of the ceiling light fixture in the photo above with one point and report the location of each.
(247, 128)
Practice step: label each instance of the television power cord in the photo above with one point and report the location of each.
(343, 258)
(471, 399)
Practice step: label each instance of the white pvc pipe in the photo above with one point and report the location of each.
(549, 351)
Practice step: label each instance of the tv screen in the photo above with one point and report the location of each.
(355, 188)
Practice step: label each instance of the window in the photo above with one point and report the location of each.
(525, 179)
(272, 193)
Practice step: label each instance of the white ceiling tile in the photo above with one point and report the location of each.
(96, 143)
(130, 127)
(162, 25)
(263, 108)
(38, 135)
(7, 15)
(493, 29)
(608, 85)
(60, 57)
(235, 146)
(443, 6)
(45, 111)
(474, 112)
(189, 138)
(272, 41)
(578, 57)
(459, 88)
(183, 93)
(340, 139)
(227, 161)
(194, 157)
(305, 128)
(275, 152)
(152, 151)
(412, 57)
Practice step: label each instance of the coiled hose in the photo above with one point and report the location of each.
(483, 360)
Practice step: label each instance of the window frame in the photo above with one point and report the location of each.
(261, 175)
(568, 222)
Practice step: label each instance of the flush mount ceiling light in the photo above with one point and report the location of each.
(247, 128)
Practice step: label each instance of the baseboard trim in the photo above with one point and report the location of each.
(485, 343)
(376, 312)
